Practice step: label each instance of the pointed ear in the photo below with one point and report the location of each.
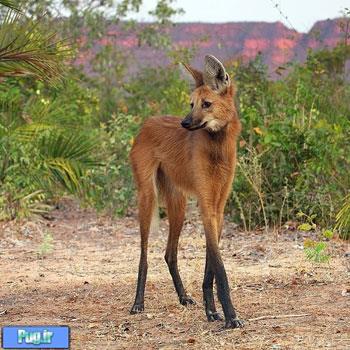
(196, 74)
(215, 75)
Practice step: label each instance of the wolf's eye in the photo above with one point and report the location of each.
(206, 104)
(191, 105)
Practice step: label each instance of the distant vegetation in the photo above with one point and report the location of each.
(73, 137)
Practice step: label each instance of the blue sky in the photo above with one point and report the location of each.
(302, 14)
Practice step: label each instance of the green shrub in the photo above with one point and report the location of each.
(294, 148)
(47, 145)
(111, 188)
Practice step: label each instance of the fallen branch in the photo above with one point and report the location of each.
(273, 317)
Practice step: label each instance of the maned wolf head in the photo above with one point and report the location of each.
(212, 100)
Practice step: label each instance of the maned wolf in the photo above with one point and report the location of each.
(172, 159)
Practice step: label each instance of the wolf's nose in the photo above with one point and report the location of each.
(186, 123)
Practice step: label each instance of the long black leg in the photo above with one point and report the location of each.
(176, 205)
(208, 295)
(146, 207)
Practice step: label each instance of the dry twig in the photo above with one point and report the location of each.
(273, 317)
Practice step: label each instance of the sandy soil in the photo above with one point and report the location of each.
(87, 281)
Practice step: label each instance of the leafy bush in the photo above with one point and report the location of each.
(157, 92)
(294, 151)
(111, 188)
(45, 148)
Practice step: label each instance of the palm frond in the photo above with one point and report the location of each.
(26, 48)
(75, 146)
(66, 159)
(10, 4)
(29, 132)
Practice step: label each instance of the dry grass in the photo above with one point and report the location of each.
(87, 282)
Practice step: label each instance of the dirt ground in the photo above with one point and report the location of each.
(87, 281)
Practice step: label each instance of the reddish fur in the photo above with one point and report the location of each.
(179, 163)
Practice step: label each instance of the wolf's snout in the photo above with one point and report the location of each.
(187, 122)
